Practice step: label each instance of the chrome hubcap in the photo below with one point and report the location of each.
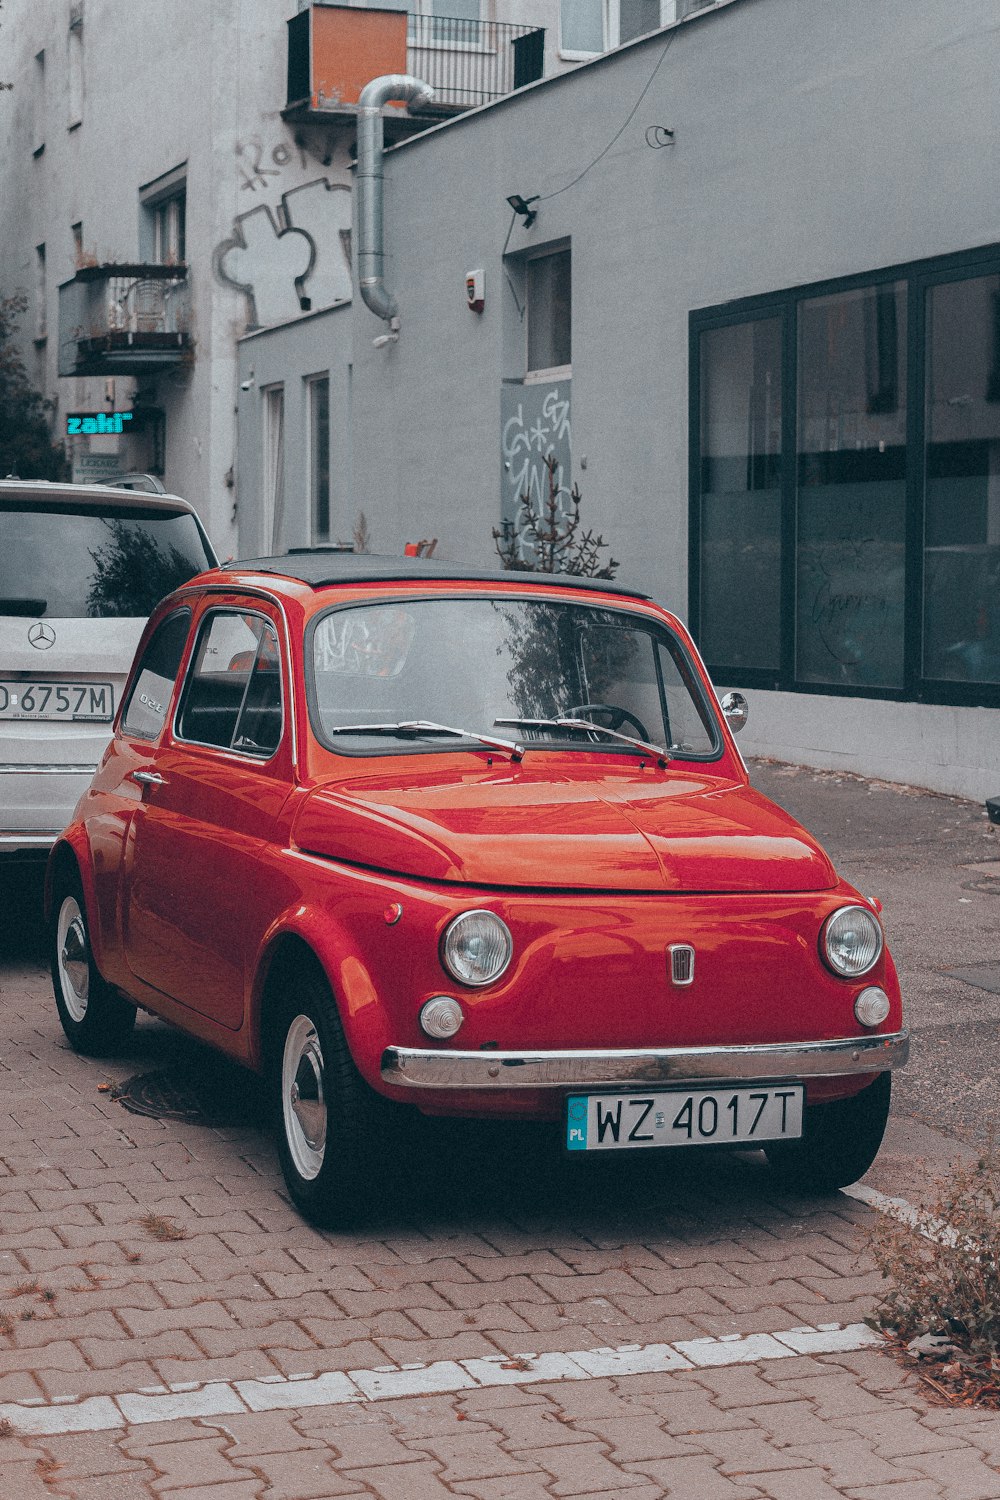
(74, 958)
(303, 1097)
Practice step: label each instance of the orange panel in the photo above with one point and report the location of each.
(350, 48)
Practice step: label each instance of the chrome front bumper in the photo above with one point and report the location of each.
(421, 1068)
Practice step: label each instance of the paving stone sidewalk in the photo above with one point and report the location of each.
(154, 1267)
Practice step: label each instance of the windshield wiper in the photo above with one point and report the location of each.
(426, 726)
(662, 753)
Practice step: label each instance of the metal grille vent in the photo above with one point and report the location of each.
(681, 963)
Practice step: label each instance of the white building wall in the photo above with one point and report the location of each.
(195, 82)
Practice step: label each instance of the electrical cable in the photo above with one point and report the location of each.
(621, 130)
(503, 262)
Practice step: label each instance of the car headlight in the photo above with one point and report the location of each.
(852, 941)
(477, 947)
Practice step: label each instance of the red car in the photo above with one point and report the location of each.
(399, 834)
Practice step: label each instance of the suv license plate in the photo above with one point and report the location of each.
(695, 1117)
(93, 701)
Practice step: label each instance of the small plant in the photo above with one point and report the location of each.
(550, 540)
(943, 1279)
(6, 1325)
(159, 1228)
(361, 533)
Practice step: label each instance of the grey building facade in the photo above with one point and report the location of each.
(757, 315)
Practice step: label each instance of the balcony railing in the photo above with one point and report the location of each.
(334, 50)
(471, 62)
(124, 319)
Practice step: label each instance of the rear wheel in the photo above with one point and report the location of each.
(840, 1140)
(331, 1127)
(95, 1018)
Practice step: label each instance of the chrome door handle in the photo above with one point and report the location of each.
(148, 778)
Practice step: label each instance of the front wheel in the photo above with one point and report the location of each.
(840, 1140)
(331, 1127)
(95, 1018)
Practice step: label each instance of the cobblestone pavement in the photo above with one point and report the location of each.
(511, 1323)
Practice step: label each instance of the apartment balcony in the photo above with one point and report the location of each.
(124, 320)
(334, 50)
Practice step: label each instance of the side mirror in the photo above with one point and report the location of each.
(736, 710)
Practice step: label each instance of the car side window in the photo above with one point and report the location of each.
(232, 698)
(146, 710)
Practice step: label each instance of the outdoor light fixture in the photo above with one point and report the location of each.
(523, 206)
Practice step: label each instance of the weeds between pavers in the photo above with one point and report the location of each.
(941, 1304)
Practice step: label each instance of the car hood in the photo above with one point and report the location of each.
(629, 831)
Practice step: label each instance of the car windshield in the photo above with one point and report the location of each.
(517, 668)
(74, 561)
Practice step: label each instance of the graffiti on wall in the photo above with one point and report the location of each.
(294, 257)
(534, 422)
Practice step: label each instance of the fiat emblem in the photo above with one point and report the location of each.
(41, 635)
(681, 959)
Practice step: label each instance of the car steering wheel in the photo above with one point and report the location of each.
(616, 716)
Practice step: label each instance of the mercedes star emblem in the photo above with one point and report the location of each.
(41, 635)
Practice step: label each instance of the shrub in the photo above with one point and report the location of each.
(551, 541)
(943, 1271)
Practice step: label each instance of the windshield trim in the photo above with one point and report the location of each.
(652, 621)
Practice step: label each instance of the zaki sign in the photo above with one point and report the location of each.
(78, 422)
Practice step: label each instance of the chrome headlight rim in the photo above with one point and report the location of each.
(851, 970)
(450, 936)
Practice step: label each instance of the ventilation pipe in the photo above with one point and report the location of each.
(370, 186)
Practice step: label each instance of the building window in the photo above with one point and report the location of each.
(845, 538)
(76, 230)
(74, 69)
(588, 27)
(740, 493)
(41, 311)
(38, 106)
(318, 388)
(547, 286)
(850, 505)
(582, 27)
(638, 18)
(273, 468)
(961, 541)
(163, 219)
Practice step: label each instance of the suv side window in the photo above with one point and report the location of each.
(232, 699)
(146, 710)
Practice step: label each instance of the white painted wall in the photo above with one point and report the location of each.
(163, 84)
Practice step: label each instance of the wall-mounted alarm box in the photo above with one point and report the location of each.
(475, 294)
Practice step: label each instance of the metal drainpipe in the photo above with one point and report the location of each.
(370, 185)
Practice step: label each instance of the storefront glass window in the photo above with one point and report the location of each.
(851, 488)
(741, 493)
(961, 605)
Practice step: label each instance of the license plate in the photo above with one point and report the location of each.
(94, 701)
(684, 1117)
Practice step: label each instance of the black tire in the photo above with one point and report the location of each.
(840, 1140)
(96, 1019)
(332, 1129)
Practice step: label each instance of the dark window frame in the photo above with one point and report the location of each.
(920, 277)
(190, 675)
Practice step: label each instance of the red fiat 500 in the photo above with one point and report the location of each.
(399, 834)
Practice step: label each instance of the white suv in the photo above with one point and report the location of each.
(81, 568)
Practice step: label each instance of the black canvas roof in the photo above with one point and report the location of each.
(318, 567)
